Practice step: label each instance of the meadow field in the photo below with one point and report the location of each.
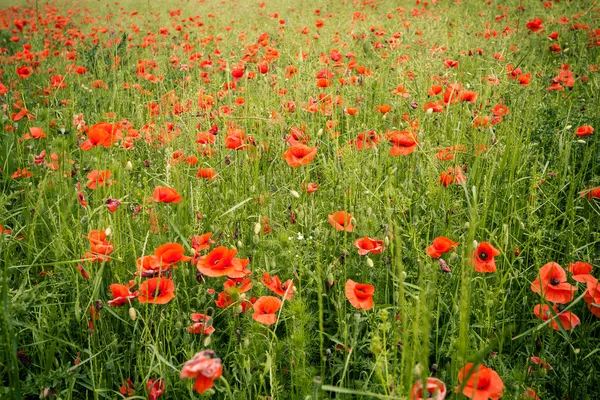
(350, 199)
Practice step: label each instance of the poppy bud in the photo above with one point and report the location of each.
(402, 276)
(386, 240)
(129, 165)
(255, 239)
(568, 127)
(240, 244)
(207, 341)
(237, 309)
(475, 244)
(352, 221)
(257, 228)
(320, 132)
(295, 194)
(108, 231)
(429, 111)
(467, 225)
(581, 141)
(132, 313)
(419, 370)
(369, 211)
(370, 263)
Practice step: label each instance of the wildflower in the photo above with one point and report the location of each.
(202, 325)
(265, 308)
(584, 130)
(342, 221)
(483, 258)
(435, 389)
(482, 383)
(102, 134)
(121, 295)
(367, 245)
(205, 367)
(551, 283)
(98, 179)
(163, 194)
(567, 319)
(592, 297)
(360, 295)
(440, 246)
(157, 290)
(274, 284)
(171, 253)
(581, 271)
(222, 262)
(299, 154)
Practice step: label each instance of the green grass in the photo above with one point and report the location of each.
(521, 192)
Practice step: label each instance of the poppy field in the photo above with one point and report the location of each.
(300, 200)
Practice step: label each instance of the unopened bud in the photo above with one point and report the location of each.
(132, 313)
(257, 228)
(295, 194)
(108, 231)
(370, 263)
(240, 244)
(129, 165)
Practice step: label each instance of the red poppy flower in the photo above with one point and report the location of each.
(156, 388)
(157, 290)
(237, 285)
(121, 295)
(581, 271)
(483, 258)
(551, 283)
(592, 193)
(534, 25)
(592, 297)
(149, 266)
(584, 130)
(403, 142)
(102, 134)
(538, 361)
(207, 173)
(384, 109)
(205, 367)
(342, 221)
(36, 133)
(163, 194)
(434, 390)
(24, 72)
(365, 140)
(310, 187)
(567, 319)
(299, 154)
(202, 242)
(202, 325)
(440, 245)
(360, 295)
(221, 261)
(530, 394)
(482, 383)
(127, 388)
(265, 308)
(98, 179)
(367, 245)
(274, 284)
(171, 253)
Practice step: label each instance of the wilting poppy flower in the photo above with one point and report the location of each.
(584, 130)
(360, 295)
(156, 388)
(440, 245)
(98, 179)
(120, 294)
(205, 367)
(530, 394)
(221, 261)
(127, 388)
(202, 242)
(434, 389)
(171, 253)
(551, 283)
(112, 204)
(365, 140)
(592, 297)
(274, 284)
(206, 173)
(483, 257)
(299, 154)
(102, 134)
(36, 133)
(163, 194)
(149, 266)
(581, 271)
(157, 290)
(482, 384)
(265, 308)
(202, 325)
(342, 221)
(567, 319)
(538, 361)
(367, 245)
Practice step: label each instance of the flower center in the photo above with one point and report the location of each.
(554, 282)
(483, 256)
